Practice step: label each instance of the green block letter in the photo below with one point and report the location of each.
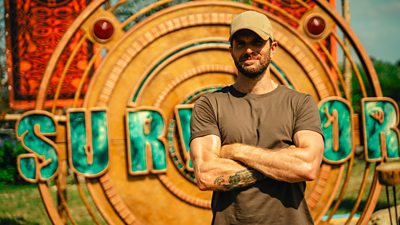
(183, 114)
(381, 136)
(146, 143)
(88, 142)
(336, 122)
(41, 163)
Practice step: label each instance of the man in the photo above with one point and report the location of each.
(255, 143)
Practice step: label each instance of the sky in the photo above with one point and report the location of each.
(377, 25)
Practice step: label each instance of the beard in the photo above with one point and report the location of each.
(253, 71)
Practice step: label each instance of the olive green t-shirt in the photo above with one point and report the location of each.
(270, 121)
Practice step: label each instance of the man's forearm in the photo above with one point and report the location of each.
(225, 174)
(291, 164)
(240, 179)
(214, 172)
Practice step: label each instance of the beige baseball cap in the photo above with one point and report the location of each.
(254, 21)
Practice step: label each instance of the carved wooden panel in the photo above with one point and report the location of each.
(125, 126)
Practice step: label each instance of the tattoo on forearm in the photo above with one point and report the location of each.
(219, 180)
(240, 179)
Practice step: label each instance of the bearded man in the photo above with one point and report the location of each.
(255, 143)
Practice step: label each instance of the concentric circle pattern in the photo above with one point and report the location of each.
(147, 70)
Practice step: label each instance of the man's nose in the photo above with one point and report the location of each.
(249, 50)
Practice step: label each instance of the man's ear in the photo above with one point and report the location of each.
(274, 47)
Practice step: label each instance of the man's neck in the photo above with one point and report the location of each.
(260, 85)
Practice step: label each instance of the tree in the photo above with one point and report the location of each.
(389, 77)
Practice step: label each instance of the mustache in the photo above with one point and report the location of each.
(247, 56)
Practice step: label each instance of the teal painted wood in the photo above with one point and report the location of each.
(39, 145)
(79, 142)
(345, 132)
(374, 127)
(28, 168)
(139, 139)
(184, 115)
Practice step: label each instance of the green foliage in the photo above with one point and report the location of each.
(8, 162)
(356, 93)
(389, 77)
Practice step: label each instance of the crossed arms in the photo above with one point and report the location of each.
(237, 165)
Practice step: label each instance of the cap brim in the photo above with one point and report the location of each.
(258, 31)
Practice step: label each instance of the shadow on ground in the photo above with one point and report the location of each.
(16, 221)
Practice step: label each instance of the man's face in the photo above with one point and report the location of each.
(251, 53)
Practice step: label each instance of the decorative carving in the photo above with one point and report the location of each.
(168, 54)
(36, 30)
(316, 25)
(103, 30)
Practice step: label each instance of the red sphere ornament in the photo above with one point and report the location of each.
(103, 29)
(316, 25)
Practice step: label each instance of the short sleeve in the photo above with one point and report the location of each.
(203, 121)
(307, 116)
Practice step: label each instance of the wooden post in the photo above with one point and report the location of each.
(61, 181)
(347, 70)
